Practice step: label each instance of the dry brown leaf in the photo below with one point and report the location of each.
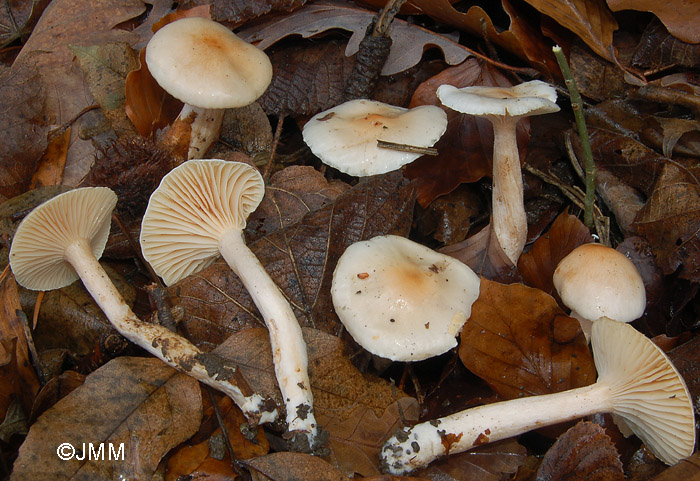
(538, 264)
(290, 195)
(584, 452)
(17, 18)
(239, 11)
(357, 410)
(520, 342)
(300, 259)
(53, 391)
(139, 402)
(22, 126)
(680, 17)
(17, 362)
(291, 467)
(673, 136)
(590, 20)
(409, 41)
(670, 221)
(92, 22)
(49, 169)
(657, 49)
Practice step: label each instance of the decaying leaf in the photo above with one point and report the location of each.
(583, 452)
(299, 258)
(408, 41)
(292, 466)
(238, 11)
(53, 391)
(138, 407)
(49, 169)
(679, 16)
(538, 264)
(520, 342)
(358, 411)
(18, 18)
(670, 221)
(658, 49)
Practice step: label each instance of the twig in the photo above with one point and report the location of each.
(577, 107)
(383, 144)
(273, 147)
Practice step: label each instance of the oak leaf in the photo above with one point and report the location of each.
(521, 343)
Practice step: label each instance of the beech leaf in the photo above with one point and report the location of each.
(408, 41)
(583, 452)
(140, 403)
(659, 49)
(679, 17)
(358, 411)
(300, 259)
(521, 343)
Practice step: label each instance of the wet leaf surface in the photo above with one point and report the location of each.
(520, 342)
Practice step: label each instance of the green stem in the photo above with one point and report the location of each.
(577, 107)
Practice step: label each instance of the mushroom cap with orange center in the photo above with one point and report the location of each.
(401, 300)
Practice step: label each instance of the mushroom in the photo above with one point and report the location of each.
(198, 213)
(61, 240)
(636, 381)
(504, 107)
(597, 281)
(209, 68)
(346, 136)
(401, 300)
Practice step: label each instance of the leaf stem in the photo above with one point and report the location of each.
(577, 107)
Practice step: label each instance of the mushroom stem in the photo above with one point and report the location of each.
(161, 342)
(201, 126)
(288, 346)
(509, 218)
(416, 447)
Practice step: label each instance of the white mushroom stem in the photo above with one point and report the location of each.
(508, 216)
(416, 447)
(171, 348)
(288, 346)
(204, 126)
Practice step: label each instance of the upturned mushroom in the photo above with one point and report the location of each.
(197, 214)
(401, 300)
(210, 69)
(597, 281)
(504, 107)
(346, 136)
(636, 382)
(61, 240)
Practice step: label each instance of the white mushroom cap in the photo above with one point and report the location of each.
(195, 204)
(528, 98)
(596, 281)
(38, 249)
(401, 300)
(204, 64)
(345, 137)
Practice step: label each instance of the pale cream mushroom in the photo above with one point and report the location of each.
(197, 214)
(636, 382)
(401, 300)
(345, 137)
(210, 69)
(597, 281)
(61, 240)
(504, 107)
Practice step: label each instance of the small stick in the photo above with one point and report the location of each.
(273, 148)
(577, 107)
(383, 144)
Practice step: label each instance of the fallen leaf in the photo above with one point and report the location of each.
(49, 169)
(289, 195)
(22, 126)
(522, 344)
(247, 128)
(679, 16)
(287, 466)
(583, 452)
(18, 18)
(300, 259)
(409, 41)
(139, 404)
(658, 49)
(358, 411)
(670, 221)
(673, 136)
(53, 391)
(538, 264)
(590, 20)
(239, 11)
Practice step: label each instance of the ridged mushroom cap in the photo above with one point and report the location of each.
(401, 300)
(345, 137)
(39, 245)
(647, 391)
(595, 281)
(204, 64)
(195, 204)
(528, 98)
